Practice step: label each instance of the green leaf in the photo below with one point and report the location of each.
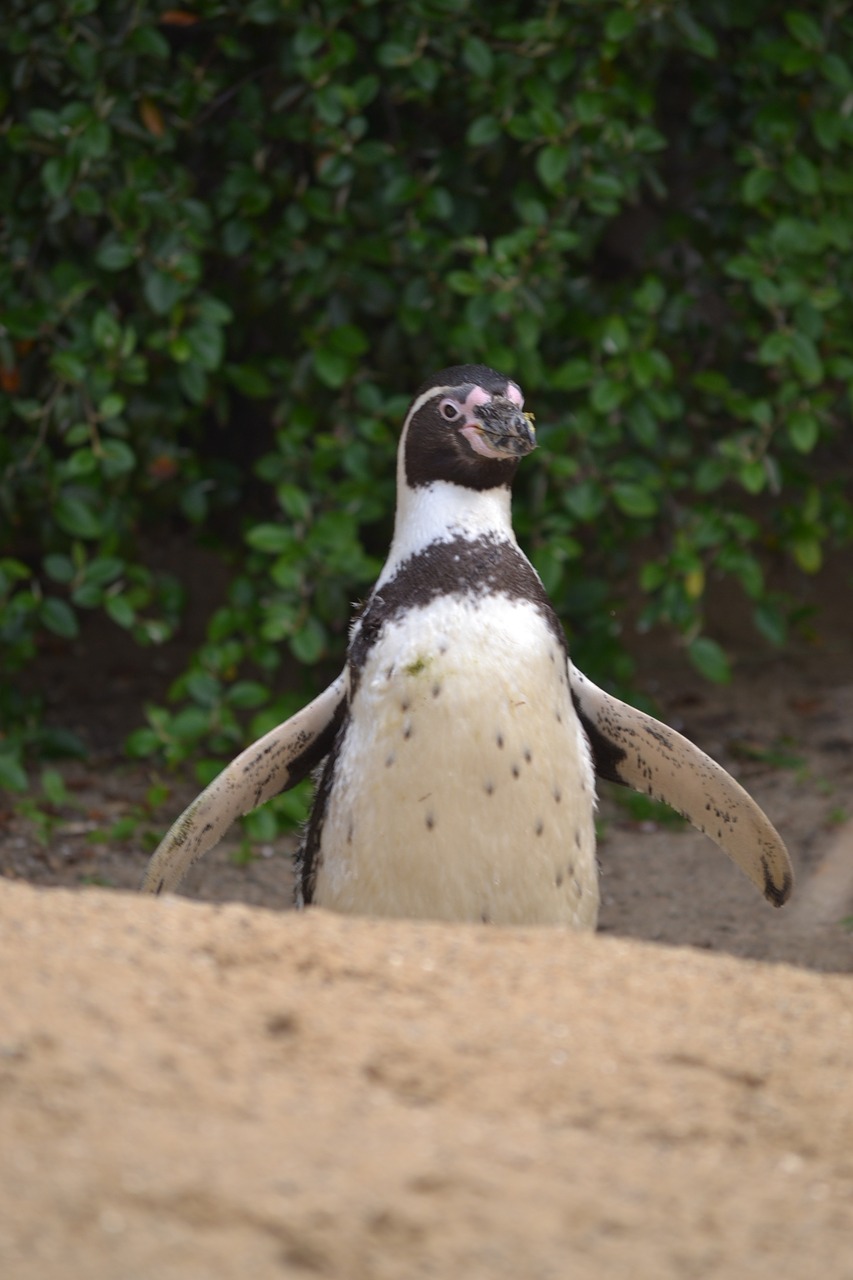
(605, 186)
(247, 694)
(614, 336)
(753, 476)
(204, 688)
(607, 394)
(332, 368)
(75, 516)
(808, 553)
(348, 340)
(770, 621)
(81, 463)
(43, 122)
(571, 375)
(162, 291)
(477, 57)
(117, 458)
(803, 429)
(59, 567)
(56, 175)
(464, 282)
(619, 25)
(142, 742)
(643, 425)
(805, 358)
(207, 344)
(250, 381)
(585, 500)
(113, 255)
(803, 28)
(309, 643)
(698, 37)
(643, 368)
(271, 538)
(775, 348)
(111, 406)
(58, 616)
(53, 787)
(193, 382)
(634, 500)
(394, 54)
(94, 142)
(650, 296)
(757, 185)
(149, 42)
(106, 330)
(69, 367)
(294, 501)
(552, 162)
(802, 175)
(709, 659)
(120, 610)
(104, 569)
(13, 776)
(483, 131)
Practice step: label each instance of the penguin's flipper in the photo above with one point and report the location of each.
(640, 752)
(273, 764)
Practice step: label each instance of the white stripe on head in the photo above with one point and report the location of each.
(477, 395)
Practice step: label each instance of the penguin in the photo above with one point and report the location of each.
(457, 751)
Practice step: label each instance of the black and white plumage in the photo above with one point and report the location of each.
(460, 744)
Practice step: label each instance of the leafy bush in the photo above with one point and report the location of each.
(236, 236)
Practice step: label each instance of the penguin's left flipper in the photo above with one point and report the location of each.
(273, 764)
(640, 752)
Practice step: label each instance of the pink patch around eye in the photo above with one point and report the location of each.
(476, 396)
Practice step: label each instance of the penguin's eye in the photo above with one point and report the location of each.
(449, 410)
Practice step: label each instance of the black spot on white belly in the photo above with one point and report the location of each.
(489, 787)
(430, 821)
(540, 826)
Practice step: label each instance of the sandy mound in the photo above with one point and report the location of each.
(193, 1092)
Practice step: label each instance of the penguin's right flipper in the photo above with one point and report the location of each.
(273, 764)
(633, 748)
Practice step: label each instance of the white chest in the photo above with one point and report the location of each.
(463, 788)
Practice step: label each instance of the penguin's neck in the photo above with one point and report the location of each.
(442, 511)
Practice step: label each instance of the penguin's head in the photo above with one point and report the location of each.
(466, 425)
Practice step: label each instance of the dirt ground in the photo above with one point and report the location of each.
(203, 1089)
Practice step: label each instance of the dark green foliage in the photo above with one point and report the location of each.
(235, 236)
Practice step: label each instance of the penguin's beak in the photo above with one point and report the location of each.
(502, 429)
